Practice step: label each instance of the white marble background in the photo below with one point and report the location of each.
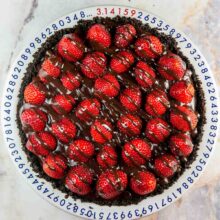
(21, 19)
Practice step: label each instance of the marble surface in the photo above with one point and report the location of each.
(21, 19)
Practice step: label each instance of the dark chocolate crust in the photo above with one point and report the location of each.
(128, 197)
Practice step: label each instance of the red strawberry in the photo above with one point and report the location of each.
(33, 119)
(71, 47)
(124, 35)
(88, 109)
(99, 36)
(166, 165)
(55, 165)
(70, 81)
(130, 124)
(50, 67)
(143, 182)
(108, 85)
(148, 46)
(181, 145)
(41, 143)
(63, 104)
(101, 131)
(136, 152)
(183, 118)
(94, 64)
(130, 98)
(144, 74)
(111, 183)
(64, 130)
(107, 157)
(79, 180)
(121, 61)
(80, 150)
(182, 91)
(156, 102)
(171, 67)
(157, 130)
(34, 93)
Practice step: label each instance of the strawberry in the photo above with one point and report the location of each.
(80, 150)
(55, 165)
(111, 183)
(130, 98)
(144, 74)
(157, 102)
(108, 85)
(171, 67)
(129, 124)
(88, 109)
(121, 61)
(166, 165)
(71, 47)
(101, 131)
(94, 64)
(124, 34)
(182, 91)
(183, 118)
(157, 130)
(41, 143)
(70, 80)
(107, 157)
(181, 145)
(79, 179)
(64, 130)
(63, 104)
(136, 152)
(34, 93)
(143, 182)
(148, 46)
(99, 36)
(51, 66)
(33, 119)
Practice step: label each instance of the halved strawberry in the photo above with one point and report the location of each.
(35, 93)
(171, 67)
(41, 143)
(111, 183)
(182, 91)
(144, 74)
(124, 34)
(71, 47)
(143, 182)
(101, 131)
(121, 61)
(166, 165)
(99, 36)
(33, 119)
(157, 102)
(94, 64)
(183, 118)
(148, 46)
(55, 165)
(79, 179)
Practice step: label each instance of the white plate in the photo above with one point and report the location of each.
(90, 210)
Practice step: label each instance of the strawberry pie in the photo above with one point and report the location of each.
(110, 111)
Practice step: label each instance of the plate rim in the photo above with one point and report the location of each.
(107, 6)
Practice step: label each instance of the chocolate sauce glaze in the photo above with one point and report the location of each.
(111, 108)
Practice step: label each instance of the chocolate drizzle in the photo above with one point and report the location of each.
(111, 109)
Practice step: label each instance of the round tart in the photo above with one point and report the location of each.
(110, 111)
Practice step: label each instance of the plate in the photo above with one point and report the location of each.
(90, 210)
